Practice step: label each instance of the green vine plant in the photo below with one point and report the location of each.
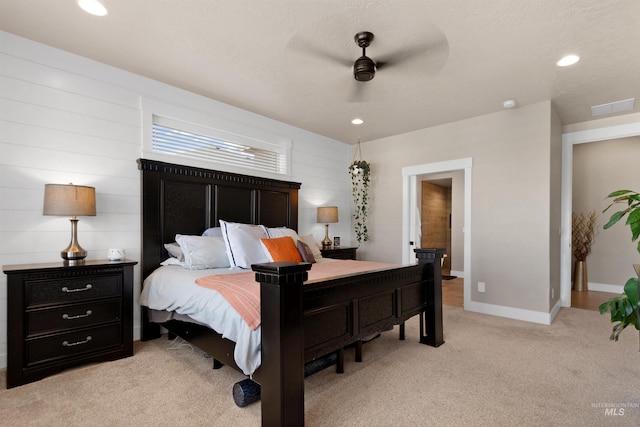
(360, 172)
(624, 308)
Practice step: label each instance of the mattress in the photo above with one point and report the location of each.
(173, 288)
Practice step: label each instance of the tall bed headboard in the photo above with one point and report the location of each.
(180, 199)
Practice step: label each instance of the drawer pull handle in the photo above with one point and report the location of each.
(79, 316)
(86, 288)
(71, 344)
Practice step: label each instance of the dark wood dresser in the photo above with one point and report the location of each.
(62, 315)
(346, 252)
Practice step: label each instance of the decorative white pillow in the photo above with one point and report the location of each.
(243, 243)
(313, 245)
(282, 232)
(202, 252)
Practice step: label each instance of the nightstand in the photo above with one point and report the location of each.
(60, 316)
(339, 253)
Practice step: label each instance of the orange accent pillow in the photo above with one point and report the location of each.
(282, 249)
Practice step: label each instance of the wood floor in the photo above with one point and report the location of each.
(453, 294)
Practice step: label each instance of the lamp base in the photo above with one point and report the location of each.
(74, 251)
(326, 243)
(73, 255)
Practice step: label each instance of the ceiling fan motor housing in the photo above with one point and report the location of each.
(364, 69)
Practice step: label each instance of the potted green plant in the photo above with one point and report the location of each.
(624, 308)
(360, 172)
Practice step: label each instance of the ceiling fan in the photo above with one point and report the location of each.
(364, 69)
(431, 51)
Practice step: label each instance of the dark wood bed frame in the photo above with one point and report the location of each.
(298, 323)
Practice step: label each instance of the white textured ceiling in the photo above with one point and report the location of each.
(277, 57)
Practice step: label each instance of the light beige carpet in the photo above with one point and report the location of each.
(490, 371)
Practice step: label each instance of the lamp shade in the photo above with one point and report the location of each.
(69, 200)
(327, 214)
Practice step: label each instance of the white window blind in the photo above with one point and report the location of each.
(223, 148)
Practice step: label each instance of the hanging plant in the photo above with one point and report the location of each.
(360, 172)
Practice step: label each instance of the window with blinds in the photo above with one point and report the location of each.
(223, 148)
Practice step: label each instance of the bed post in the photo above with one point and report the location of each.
(281, 374)
(431, 318)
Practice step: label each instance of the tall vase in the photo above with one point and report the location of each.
(580, 276)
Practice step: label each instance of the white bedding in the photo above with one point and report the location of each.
(173, 288)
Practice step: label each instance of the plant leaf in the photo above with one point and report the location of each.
(619, 193)
(614, 218)
(631, 290)
(633, 221)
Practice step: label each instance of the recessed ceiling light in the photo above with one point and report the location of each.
(357, 121)
(568, 60)
(509, 103)
(94, 7)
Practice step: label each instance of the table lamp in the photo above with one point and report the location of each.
(70, 200)
(326, 215)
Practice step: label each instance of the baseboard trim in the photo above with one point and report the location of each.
(511, 312)
(603, 287)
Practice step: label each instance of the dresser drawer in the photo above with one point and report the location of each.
(50, 292)
(73, 316)
(74, 343)
(61, 315)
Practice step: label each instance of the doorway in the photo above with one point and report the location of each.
(435, 218)
(568, 141)
(411, 226)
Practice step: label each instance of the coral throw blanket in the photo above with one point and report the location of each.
(242, 291)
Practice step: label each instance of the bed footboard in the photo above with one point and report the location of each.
(355, 305)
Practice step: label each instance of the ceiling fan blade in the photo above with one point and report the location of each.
(358, 92)
(307, 47)
(433, 55)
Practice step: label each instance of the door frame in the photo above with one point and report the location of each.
(566, 204)
(410, 208)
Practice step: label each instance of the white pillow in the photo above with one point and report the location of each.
(243, 243)
(174, 251)
(202, 252)
(213, 231)
(282, 232)
(172, 261)
(313, 245)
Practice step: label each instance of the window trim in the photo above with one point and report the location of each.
(214, 126)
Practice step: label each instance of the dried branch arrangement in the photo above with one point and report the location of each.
(583, 230)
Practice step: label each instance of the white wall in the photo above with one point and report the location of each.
(555, 212)
(65, 118)
(511, 200)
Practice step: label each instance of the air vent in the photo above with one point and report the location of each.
(613, 107)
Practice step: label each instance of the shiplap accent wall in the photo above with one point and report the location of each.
(64, 118)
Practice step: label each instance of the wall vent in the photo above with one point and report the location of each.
(613, 107)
